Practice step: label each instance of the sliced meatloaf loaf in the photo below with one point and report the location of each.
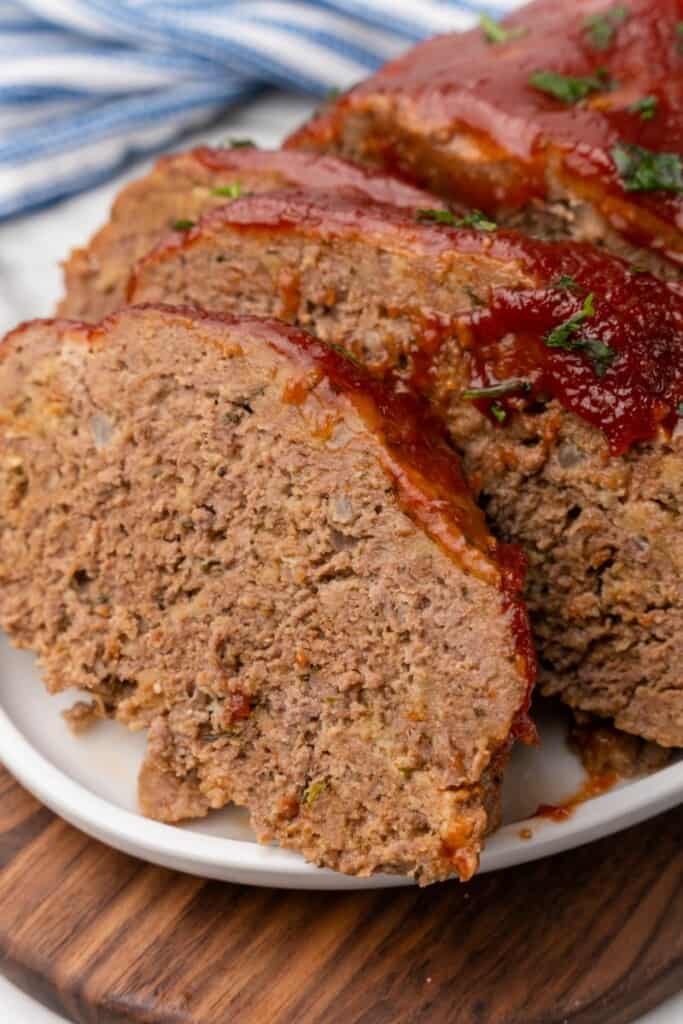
(184, 185)
(224, 531)
(566, 119)
(559, 371)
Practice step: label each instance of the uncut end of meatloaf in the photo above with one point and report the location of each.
(460, 115)
(183, 186)
(602, 532)
(223, 531)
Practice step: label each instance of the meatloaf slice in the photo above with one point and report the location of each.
(179, 189)
(567, 119)
(224, 531)
(559, 371)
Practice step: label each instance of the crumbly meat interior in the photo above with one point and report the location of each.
(232, 570)
(603, 537)
(602, 534)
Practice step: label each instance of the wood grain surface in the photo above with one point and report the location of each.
(594, 936)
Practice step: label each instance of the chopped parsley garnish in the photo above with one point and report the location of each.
(496, 33)
(333, 93)
(505, 387)
(642, 170)
(241, 143)
(499, 412)
(679, 35)
(600, 354)
(313, 791)
(232, 191)
(601, 28)
(344, 352)
(439, 217)
(679, 409)
(565, 283)
(563, 336)
(566, 88)
(647, 107)
(475, 219)
(183, 225)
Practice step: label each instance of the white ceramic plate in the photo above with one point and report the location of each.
(91, 781)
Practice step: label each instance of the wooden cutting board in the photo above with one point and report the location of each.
(594, 936)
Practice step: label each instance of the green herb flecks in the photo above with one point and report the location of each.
(241, 144)
(313, 791)
(496, 33)
(567, 89)
(183, 225)
(232, 191)
(679, 409)
(564, 336)
(565, 283)
(642, 170)
(344, 352)
(647, 107)
(601, 28)
(600, 354)
(475, 219)
(439, 217)
(505, 387)
(679, 37)
(498, 412)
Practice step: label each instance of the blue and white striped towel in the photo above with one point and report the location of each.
(85, 85)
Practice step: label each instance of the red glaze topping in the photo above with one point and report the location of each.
(463, 83)
(622, 369)
(313, 171)
(632, 383)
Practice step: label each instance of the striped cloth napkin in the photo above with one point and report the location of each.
(86, 85)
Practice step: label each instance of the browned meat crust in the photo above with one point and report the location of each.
(225, 531)
(602, 531)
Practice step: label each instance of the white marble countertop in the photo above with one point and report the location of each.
(30, 283)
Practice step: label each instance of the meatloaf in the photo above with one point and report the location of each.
(184, 185)
(566, 119)
(559, 372)
(225, 532)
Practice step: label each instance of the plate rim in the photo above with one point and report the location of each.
(222, 857)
